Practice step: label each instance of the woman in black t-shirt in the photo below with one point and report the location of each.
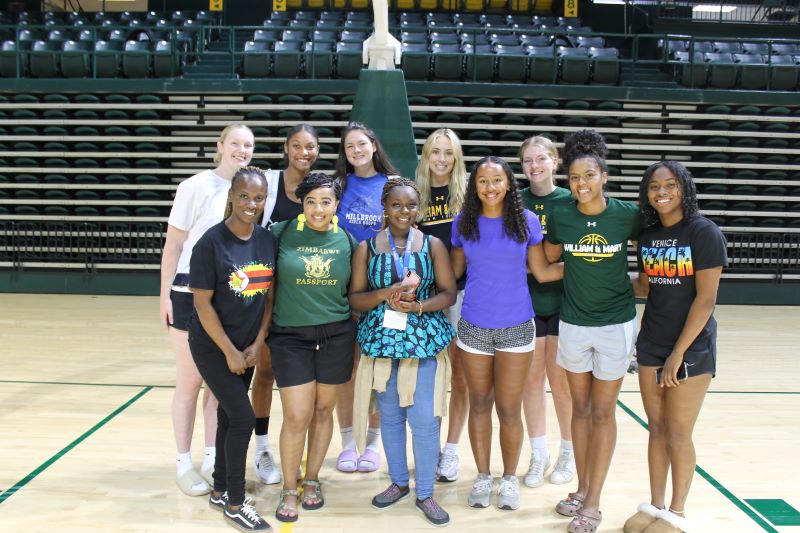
(231, 276)
(300, 153)
(681, 255)
(442, 182)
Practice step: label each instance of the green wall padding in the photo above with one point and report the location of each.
(382, 104)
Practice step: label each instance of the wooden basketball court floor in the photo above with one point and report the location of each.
(85, 391)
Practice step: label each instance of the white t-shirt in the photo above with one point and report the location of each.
(199, 204)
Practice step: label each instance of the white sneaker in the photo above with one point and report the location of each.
(266, 470)
(538, 466)
(447, 469)
(508, 493)
(564, 470)
(481, 493)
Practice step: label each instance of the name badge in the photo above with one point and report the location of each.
(395, 320)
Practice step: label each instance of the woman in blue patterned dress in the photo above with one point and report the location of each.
(401, 281)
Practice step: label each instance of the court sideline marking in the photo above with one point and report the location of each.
(713, 482)
(24, 481)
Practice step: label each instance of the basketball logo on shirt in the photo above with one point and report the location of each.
(592, 248)
(316, 267)
(250, 280)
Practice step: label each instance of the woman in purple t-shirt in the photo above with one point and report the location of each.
(497, 241)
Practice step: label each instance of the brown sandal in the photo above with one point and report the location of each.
(314, 494)
(283, 506)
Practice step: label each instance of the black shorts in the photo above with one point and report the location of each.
(313, 353)
(546, 325)
(700, 358)
(182, 309)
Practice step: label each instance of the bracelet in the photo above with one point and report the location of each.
(420, 308)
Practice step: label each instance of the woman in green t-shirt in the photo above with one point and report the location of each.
(597, 327)
(312, 337)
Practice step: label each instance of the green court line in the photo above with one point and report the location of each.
(27, 479)
(790, 393)
(714, 483)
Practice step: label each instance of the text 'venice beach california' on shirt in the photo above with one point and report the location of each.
(313, 275)
(360, 211)
(240, 274)
(671, 258)
(597, 288)
(546, 296)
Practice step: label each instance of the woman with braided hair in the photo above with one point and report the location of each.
(401, 282)
(312, 335)
(597, 326)
(497, 242)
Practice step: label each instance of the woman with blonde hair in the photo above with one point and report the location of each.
(442, 182)
(539, 158)
(199, 204)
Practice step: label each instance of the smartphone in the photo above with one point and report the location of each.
(683, 373)
(410, 281)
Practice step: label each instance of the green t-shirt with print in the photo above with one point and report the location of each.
(597, 288)
(546, 297)
(312, 275)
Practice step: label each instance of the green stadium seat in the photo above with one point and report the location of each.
(108, 58)
(44, 59)
(75, 62)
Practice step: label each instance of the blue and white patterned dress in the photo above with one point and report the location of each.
(424, 336)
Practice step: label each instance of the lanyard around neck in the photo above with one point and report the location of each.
(401, 266)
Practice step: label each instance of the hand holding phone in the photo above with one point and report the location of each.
(410, 281)
(683, 373)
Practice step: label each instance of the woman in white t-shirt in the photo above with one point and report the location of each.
(199, 204)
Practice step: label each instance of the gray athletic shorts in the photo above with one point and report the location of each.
(605, 351)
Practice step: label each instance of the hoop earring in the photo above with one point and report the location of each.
(301, 222)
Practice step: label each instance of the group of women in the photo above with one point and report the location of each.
(449, 280)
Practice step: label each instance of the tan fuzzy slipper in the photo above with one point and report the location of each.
(645, 515)
(668, 522)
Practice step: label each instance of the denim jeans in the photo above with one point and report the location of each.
(424, 429)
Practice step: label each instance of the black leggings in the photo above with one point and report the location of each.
(235, 417)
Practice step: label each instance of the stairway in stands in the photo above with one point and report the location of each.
(216, 61)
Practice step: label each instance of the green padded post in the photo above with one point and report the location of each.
(382, 104)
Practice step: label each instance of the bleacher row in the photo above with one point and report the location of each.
(437, 46)
(87, 180)
(734, 64)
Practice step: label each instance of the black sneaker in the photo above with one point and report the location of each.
(246, 518)
(218, 501)
(390, 496)
(435, 514)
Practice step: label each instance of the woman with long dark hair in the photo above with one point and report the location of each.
(681, 256)
(497, 242)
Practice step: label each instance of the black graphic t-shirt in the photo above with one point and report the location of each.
(438, 222)
(670, 257)
(240, 274)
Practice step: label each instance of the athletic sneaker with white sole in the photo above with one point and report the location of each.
(246, 518)
(447, 469)
(481, 494)
(564, 470)
(536, 469)
(267, 472)
(508, 493)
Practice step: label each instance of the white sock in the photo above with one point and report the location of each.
(348, 442)
(374, 439)
(539, 447)
(566, 446)
(262, 443)
(209, 458)
(450, 448)
(184, 463)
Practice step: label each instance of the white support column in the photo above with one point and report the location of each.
(381, 50)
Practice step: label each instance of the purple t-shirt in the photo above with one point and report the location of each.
(496, 295)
